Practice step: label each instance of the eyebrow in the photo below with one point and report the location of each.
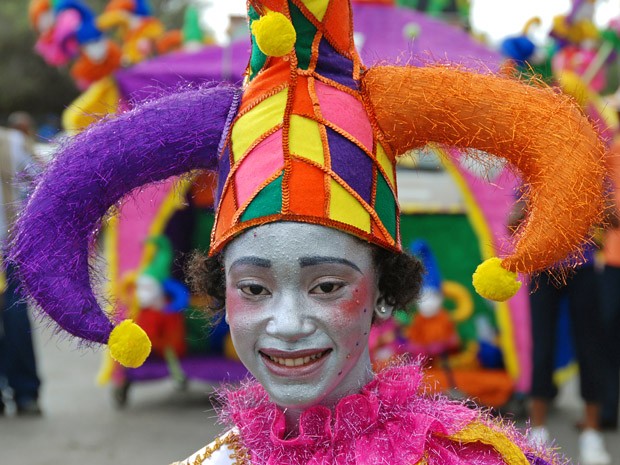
(253, 261)
(316, 260)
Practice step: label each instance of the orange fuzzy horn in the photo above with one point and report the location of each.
(542, 133)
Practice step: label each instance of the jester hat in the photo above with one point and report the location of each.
(312, 137)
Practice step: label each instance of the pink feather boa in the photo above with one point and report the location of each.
(391, 421)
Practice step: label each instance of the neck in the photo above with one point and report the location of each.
(359, 376)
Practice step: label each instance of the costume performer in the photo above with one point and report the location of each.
(610, 301)
(305, 251)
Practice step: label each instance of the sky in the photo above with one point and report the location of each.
(496, 18)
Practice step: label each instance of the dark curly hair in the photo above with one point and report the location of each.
(400, 278)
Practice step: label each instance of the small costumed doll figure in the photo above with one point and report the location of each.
(162, 300)
(305, 253)
(432, 331)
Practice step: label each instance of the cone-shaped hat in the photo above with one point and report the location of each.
(304, 146)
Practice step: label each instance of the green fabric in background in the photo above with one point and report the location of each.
(197, 331)
(455, 245)
(197, 323)
(203, 224)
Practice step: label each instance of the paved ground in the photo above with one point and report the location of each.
(160, 424)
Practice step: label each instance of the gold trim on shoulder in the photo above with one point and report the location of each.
(240, 454)
(231, 441)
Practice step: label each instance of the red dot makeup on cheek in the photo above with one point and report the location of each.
(357, 304)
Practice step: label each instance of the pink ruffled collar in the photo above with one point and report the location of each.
(389, 421)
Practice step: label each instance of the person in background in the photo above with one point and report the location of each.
(547, 295)
(23, 122)
(18, 369)
(610, 302)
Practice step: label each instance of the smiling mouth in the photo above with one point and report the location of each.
(297, 361)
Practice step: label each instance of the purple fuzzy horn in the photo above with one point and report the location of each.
(92, 172)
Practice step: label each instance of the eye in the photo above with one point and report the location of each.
(326, 288)
(254, 290)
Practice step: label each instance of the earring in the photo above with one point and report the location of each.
(383, 310)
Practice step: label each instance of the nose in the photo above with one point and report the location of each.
(289, 320)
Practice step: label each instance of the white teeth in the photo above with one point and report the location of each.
(295, 362)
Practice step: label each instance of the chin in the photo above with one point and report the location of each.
(291, 398)
(290, 394)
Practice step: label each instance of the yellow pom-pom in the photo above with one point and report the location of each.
(275, 35)
(129, 345)
(492, 281)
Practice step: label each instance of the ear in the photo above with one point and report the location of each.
(383, 310)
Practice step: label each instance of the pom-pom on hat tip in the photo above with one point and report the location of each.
(492, 281)
(274, 34)
(129, 345)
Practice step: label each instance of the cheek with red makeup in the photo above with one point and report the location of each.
(241, 315)
(360, 301)
(234, 302)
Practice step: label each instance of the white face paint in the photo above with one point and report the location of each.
(300, 300)
(430, 302)
(150, 293)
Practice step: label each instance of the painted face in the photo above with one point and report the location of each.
(300, 301)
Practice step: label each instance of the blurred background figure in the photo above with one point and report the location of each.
(23, 122)
(549, 293)
(579, 293)
(610, 296)
(18, 371)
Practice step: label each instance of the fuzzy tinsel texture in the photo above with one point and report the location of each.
(391, 421)
(166, 137)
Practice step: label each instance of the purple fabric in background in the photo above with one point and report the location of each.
(212, 369)
(380, 34)
(212, 63)
(383, 31)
